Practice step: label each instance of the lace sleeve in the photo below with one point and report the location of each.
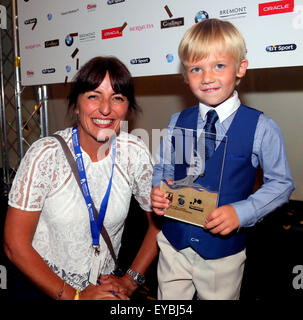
(143, 177)
(35, 177)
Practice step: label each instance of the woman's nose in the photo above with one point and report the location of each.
(105, 107)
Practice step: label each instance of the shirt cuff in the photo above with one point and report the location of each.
(156, 181)
(246, 213)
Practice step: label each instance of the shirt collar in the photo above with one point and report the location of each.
(224, 110)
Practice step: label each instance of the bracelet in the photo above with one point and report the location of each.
(76, 297)
(59, 295)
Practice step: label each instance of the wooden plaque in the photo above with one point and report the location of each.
(189, 204)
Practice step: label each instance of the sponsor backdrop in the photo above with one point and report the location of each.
(57, 37)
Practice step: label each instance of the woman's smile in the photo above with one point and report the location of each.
(100, 112)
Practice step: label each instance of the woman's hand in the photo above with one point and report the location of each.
(105, 291)
(125, 284)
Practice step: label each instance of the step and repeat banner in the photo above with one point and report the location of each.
(57, 37)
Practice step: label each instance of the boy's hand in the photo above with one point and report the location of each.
(222, 220)
(158, 200)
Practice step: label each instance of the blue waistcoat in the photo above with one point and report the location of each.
(237, 184)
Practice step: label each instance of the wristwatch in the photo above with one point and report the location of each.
(137, 277)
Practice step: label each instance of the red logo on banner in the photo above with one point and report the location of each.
(276, 7)
(111, 33)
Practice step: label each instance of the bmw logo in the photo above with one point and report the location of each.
(200, 16)
(69, 40)
(49, 16)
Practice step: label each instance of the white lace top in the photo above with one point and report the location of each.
(44, 182)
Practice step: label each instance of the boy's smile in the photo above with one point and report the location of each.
(213, 79)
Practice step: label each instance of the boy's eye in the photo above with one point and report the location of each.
(220, 66)
(195, 70)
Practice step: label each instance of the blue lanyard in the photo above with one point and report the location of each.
(96, 223)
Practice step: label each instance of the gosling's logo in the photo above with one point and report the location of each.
(51, 43)
(170, 23)
(281, 47)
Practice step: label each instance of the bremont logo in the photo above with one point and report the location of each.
(170, 23)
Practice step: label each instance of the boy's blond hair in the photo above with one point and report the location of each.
(208, 35)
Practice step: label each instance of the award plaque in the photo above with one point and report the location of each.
(198, 173)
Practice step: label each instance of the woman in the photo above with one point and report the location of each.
(48, 229)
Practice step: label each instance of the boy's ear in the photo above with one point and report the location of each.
(183, 72)
(185, 78)
(242, 68)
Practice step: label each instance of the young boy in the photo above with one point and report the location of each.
(210, 260)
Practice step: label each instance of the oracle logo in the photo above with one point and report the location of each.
(111, 33)
(276, 7)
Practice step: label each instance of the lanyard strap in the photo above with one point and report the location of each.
(96, 223)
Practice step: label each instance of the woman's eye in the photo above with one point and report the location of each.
(118, 98)
(92, 97)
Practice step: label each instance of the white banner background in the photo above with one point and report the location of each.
(142, 40)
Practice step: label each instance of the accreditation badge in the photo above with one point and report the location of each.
(94, 271)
